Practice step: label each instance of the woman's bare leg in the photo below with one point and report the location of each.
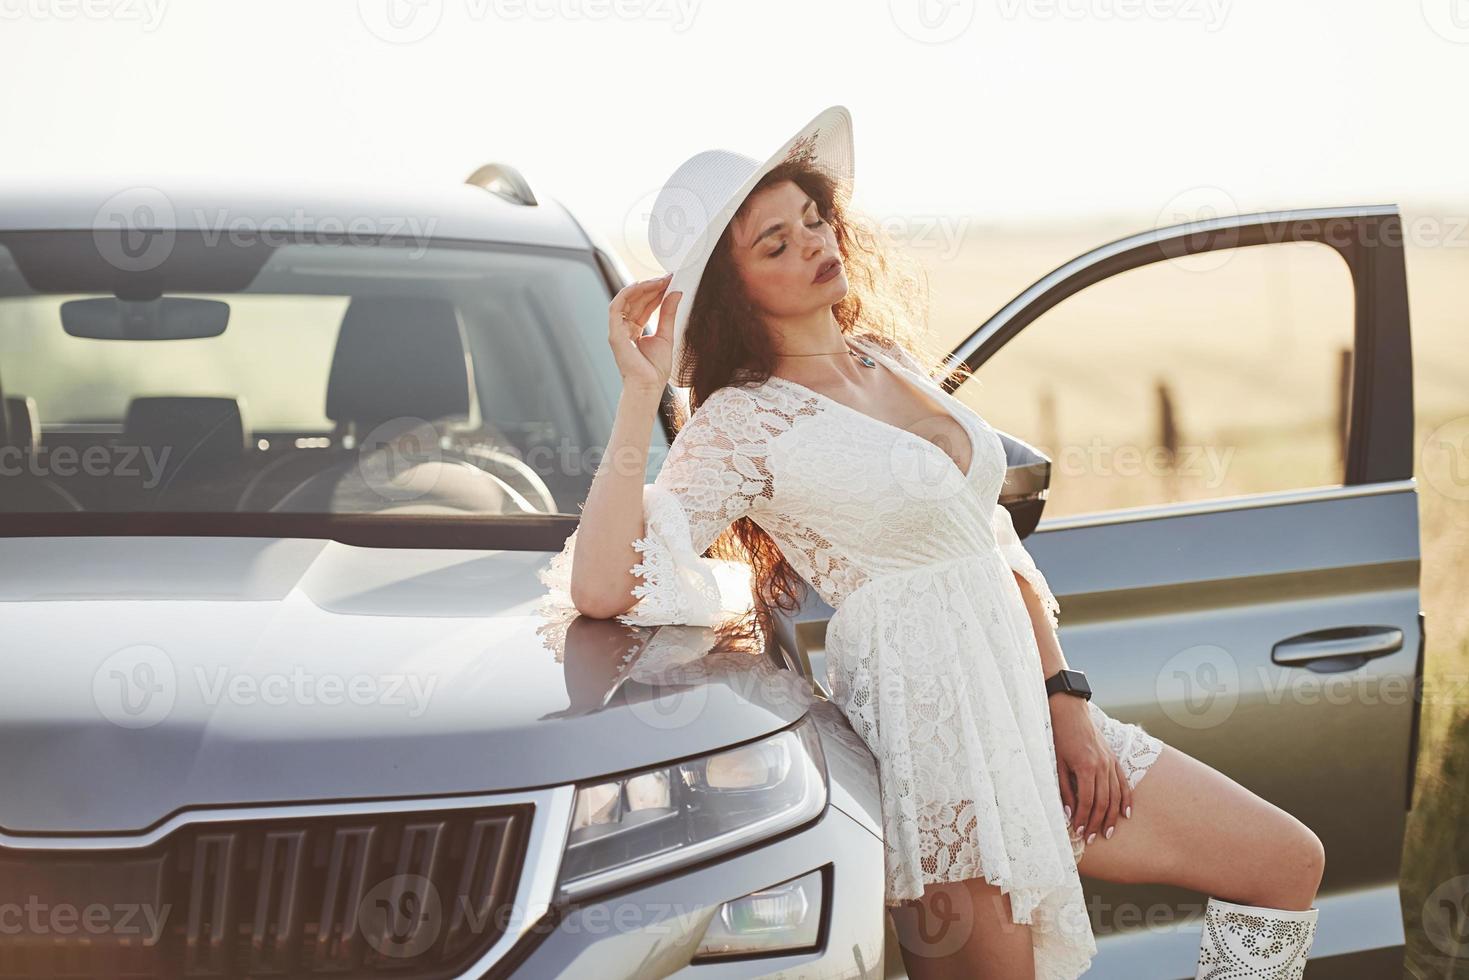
(1195, 827)
(962, 929)
(1191, 826)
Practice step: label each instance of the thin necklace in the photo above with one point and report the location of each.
(864, 359)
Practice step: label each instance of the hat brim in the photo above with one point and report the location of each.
(827, 142)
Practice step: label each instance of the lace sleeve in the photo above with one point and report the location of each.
(1020, 560)
(716, 472)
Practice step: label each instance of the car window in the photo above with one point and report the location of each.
(274, 357)
(1206, 376)
(361, 378)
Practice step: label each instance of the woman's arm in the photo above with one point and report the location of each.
(612, 517)
(637, 552)
(1046, 641)
(602, 580)
(1093, 786)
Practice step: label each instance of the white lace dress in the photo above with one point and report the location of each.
(930, 653)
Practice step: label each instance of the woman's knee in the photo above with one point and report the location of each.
(1293, 867)
(1313, 856)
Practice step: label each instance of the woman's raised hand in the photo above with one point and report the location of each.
(643, 361)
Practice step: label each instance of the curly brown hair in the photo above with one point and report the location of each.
(886, 301)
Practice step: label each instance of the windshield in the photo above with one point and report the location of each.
(238, 375)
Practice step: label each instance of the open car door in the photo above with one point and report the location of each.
(1262, 616)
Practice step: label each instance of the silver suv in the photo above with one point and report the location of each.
(278, 469)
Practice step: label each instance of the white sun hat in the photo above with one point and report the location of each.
(700, 199)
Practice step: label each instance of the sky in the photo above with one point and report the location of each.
(1011, 110)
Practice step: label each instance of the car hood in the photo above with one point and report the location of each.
(146, 675)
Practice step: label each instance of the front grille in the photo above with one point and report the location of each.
(420, 894)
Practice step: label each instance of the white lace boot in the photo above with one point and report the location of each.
(1250, 941)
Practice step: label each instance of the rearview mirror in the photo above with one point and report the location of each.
(166, 318)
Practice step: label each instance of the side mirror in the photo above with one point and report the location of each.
(1027, 481)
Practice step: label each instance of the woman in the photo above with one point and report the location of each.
(819, 449)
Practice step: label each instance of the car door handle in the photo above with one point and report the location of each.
(1338, 648)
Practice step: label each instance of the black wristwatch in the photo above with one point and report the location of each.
(1070, 681)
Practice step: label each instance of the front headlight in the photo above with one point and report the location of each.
(652, 821)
